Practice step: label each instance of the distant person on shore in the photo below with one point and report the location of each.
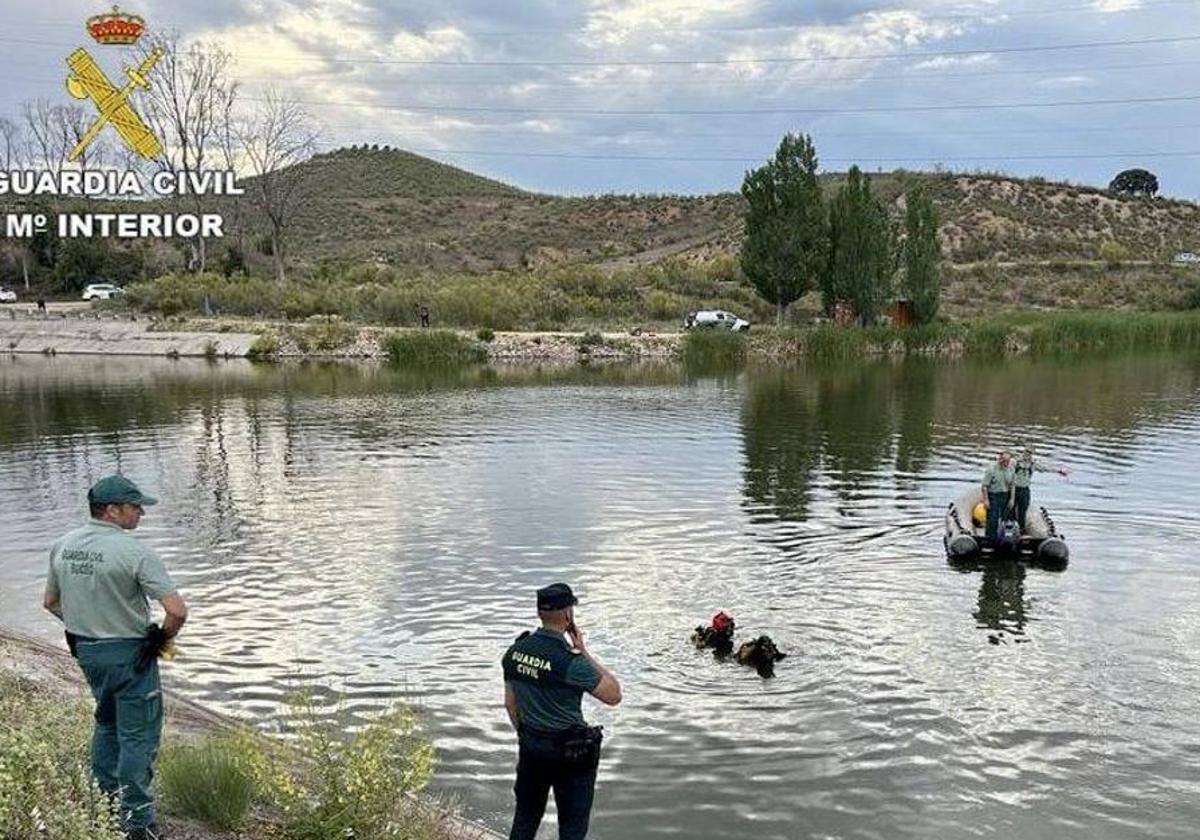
(423, 310)
(998, 491)
(99, 584)
(1023, 471)
(41, 304)
(546, 674)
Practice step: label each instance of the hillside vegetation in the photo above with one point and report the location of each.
(404, 210)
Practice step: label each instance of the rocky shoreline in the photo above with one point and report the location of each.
(117, 334)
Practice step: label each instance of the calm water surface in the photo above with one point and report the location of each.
(375, 535)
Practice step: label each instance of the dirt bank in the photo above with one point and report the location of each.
(51, 670)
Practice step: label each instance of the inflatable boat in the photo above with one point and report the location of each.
(1041, 542)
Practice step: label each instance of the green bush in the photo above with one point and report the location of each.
(486, 335)
(589, 340)
(264, 346)
(211, 780)
(326, 333)
(359, 787)
(431, 347)
(46, 788)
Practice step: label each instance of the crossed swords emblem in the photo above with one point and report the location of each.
(87, 81)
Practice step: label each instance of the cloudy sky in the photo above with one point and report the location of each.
(581, 96)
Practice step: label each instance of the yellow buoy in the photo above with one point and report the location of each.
(979, 514)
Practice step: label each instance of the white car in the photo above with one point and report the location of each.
(1186, 257)
(715, 318)
(101, 291)
(7, 296)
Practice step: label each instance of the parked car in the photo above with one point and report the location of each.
(1187, 257)
(716, 319)
(7, 295)
(102, 291)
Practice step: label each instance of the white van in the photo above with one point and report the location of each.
(715, 318)
(101, 291)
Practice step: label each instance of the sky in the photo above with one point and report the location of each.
(682, 96)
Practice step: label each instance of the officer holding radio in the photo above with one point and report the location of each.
(546, 674)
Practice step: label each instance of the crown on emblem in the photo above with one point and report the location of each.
(116, 27)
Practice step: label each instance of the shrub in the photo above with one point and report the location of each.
(486, 335)
(1113, 252)
(264, 346)
(211, 780)
(326, 332)
(431, 347)
(46, 788)
(210, 349)
(589, 340)
(358, 787)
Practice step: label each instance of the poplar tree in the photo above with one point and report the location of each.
(860, 260)
(922, 281)
(786, 226)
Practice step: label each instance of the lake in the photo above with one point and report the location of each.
(376, 535)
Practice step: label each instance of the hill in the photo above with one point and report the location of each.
(394, 207)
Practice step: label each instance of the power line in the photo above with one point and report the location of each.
(713, 112)
(690, 62)
(622, 85)
(649, 26)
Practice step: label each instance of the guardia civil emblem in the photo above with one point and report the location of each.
(87, 81)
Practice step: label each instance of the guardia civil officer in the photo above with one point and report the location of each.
(998, 491)
(1026, 465)
(99, 583)
(546, 674)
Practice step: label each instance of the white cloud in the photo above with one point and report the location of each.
(434, 44)
(612, 22)
(1073, 81)
(945, 62)
(870, 36)
(1116, 5)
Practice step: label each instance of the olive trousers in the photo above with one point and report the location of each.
(128, 724)
(1022, 501)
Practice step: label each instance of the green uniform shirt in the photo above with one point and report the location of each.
(549, 697)
(103, 577)
(1024, 471)
(998, 479)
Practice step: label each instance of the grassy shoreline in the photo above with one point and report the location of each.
(217, 777)
(329, 337)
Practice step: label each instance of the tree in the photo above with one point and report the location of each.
(1135, 182)
(786, 226)
(276, 139)
(13, 149)
(188, 107)
(922, 281)
(46, 140)
(860, 259)
(12, 145)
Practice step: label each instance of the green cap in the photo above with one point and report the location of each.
(118, 490)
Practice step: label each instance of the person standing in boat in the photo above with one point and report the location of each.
(998, 482)
(1023, 471)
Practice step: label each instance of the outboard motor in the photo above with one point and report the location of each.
(1008, 537)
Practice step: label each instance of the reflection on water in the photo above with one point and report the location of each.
(375, 534)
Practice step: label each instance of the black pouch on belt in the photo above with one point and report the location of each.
(72, 641)
(581, 745)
